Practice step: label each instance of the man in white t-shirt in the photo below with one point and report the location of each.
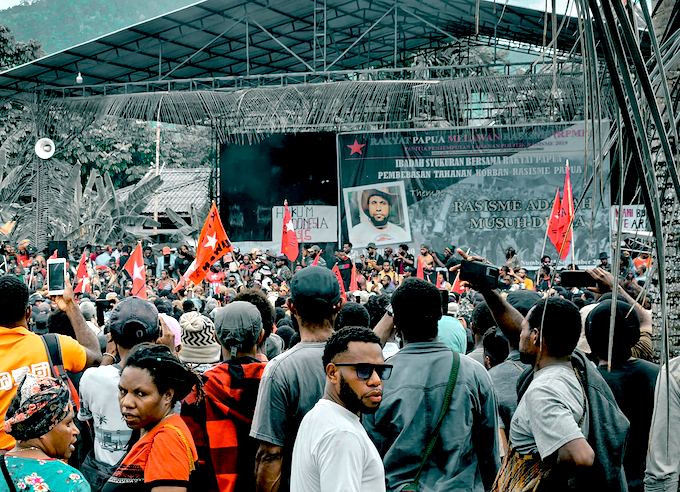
(376, 205)
(132, 321)
(332, 451)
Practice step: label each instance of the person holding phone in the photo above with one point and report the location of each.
(22, 351)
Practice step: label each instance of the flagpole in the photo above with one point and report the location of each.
(571, 214)
(545, 239)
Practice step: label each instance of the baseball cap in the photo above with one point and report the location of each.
(315, 248)
(166, 250)
(281, 258)
(238, 325)
(134, 318)
(315, 285)
(35, 297)
(88, 310)
(371, 245)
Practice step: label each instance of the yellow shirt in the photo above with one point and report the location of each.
(22, 351)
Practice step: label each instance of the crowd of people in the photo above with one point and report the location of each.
(393, 373)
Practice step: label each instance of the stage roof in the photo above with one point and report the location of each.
(208, 39)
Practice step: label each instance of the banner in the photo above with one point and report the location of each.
(484, 188)
(634, 218)
(312, 223)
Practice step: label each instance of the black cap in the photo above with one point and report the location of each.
(315, 285)
(603, 256)
(371, 245)
(134, 318)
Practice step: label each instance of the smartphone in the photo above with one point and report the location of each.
(479, 273)
(56, 276)
(577, 278)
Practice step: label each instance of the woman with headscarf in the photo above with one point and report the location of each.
(152, 382)
(40, 418)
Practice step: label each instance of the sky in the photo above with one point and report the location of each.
(5, 4)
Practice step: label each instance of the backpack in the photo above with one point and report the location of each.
(85, 442)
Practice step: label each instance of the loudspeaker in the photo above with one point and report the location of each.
(44, 148)
(60, 246)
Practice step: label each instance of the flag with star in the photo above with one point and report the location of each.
(289, 240)
(137, 271)
(213, 244)
(82, 277)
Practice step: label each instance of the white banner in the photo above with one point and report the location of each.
(634, 218)
(313, 223)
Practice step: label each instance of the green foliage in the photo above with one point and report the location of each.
(60, 24)
(127, 150)
(13, 52)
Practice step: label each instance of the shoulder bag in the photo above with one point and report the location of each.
(453, 376)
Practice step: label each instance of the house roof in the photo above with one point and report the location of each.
(180, 189)
(223, 38)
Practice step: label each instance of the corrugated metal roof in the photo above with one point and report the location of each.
(180, 189)
(208, 39)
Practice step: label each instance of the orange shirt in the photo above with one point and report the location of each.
(22, 351)
(165, 456)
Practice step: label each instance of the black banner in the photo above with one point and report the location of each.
(484, 188)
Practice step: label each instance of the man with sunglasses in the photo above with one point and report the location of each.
(332, 450)
(466, 454)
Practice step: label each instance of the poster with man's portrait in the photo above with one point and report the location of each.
(377, 214)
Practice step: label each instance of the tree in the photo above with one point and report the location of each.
(13, 52)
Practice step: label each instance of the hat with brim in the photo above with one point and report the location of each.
(603, 256)
(381, 192)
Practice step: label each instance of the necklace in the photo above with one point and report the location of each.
(19, 450)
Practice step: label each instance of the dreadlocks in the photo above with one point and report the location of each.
(166, 370)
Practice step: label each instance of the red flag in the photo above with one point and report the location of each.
(83, 280)
(566, 218)
(289, 241)
(336, 271)
(135, 267)
(213, 243)
(457, 287)
(554, 221)
(353, 286)
(419, 272)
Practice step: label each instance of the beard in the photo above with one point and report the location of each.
(352, 401)
(378, 223)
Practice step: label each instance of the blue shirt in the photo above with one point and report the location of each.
(466, 456)
(451, 332)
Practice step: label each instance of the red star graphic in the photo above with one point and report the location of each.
(356, 148)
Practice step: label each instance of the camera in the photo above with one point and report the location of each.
(480, 274)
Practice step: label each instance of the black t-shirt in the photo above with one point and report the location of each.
(633, 386)
(400, 265)
(451, 262)
(183, 263)
(345, 268)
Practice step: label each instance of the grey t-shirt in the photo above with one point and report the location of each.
(291, 385)
(547, 416)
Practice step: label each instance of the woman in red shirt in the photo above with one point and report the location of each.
(165, 456)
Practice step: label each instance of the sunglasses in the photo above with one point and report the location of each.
(365, 371)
